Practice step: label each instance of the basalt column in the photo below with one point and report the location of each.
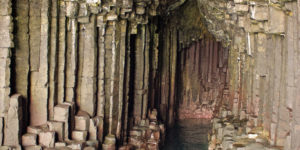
(74, 65)
(192, 66)
(6, 45)
(85, 74)
(39, 49)
(202, 81)
(82, 70)
(261, 38)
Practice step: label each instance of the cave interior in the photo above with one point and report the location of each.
(119, 74)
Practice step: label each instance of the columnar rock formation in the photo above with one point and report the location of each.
(106, 73)
(77, 66)
(262, 37)
(202, 83)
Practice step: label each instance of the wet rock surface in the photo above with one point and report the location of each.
(229, 132)
(188, 134)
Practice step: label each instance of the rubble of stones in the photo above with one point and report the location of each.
(148, 135)
(231, 132)
(56, 134)
(65, 131)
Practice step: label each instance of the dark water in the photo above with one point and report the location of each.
(188, 134)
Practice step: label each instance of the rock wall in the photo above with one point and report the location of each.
(201, 85)
(10, 105)
(82, 71)
(6, 45)
(78, 74)
(193, 79)
(262, 41)
(262, 37)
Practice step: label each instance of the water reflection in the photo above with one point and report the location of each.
(188, 134)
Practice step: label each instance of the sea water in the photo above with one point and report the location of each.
(188, 134)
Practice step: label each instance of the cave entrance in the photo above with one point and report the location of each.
(193, 75)
(200, 89)
(201, 79)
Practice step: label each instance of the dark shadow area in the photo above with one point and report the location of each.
(188, 134)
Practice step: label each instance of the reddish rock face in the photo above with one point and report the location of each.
(201, 79)
(198, 112)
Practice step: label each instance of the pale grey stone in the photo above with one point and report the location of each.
(60, 144)
(93, 1)
(241, 8)
(89, 148)
(6, 38)
(259, 13)
(5, 148)
(82, 123)
(1, 130)
(37, 129)
(58, 128)
(84, 19)
(47, 139)
(13, 122)
(276, 23)
(79, 135)
(29, 139)
(83, 10)
(5, 72)
(71, 9)
(93, 128)
(5, 53)
(37, 147)
(61, 112)
(75, 145)
(238, 1)
(5, 7)
(112, 16)
(6, 23)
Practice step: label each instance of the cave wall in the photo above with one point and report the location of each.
(105, 63)
(77, 73)
(263, 42)
(6, 45)
(193, 79)
(202, 84)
